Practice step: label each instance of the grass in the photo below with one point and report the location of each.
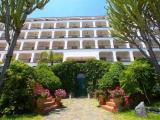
(22, 117)
(130, 115)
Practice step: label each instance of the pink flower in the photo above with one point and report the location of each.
(60, 93)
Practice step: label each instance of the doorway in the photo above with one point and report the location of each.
(81, 85)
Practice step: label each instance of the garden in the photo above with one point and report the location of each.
(27, 89)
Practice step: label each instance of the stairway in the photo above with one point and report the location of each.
(110, 106)
(48, 103)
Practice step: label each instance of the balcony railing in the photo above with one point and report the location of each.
(120, 46)
(124, 59)
(32, 37)
(2, 38)
(28, 48)
(103, 46)
(2, 48)
(46, 37)
(74, 36)
(25, 60)
(87, 36)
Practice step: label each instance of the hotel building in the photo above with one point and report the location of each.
(77, 38)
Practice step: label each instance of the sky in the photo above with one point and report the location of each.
(64, 8)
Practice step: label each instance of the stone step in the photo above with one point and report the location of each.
(108, 108)
(47, 104)
(50, 108)
(111, 100)
(112, 104)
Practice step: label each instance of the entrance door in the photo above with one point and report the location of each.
(81, 85)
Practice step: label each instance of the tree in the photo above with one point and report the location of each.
(137, 21)
(13, 14)
(55, 57)
(43, 57)
(50, 57)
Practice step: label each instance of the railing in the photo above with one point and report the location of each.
(45, 37)
(32, 37)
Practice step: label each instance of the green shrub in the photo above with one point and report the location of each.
(47, 78)
(94, 70)
(138, 77)
(111, 78)
(17, 93)
(67, 72)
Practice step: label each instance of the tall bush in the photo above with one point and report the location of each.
(17, 94)
(111, 78)
(94, 70)
(138, 78)
(67, 72)
(47, 78)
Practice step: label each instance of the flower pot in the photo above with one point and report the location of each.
(58, 101)
(118, 101)
(101, 100)
(40, 102)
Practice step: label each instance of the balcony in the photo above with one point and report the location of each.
(107, 56)
(17, 47)
(25, 27)
(2, 36)
(48, 26)
(59, 34)
(46, 35)
(2, 46)
(28, 46)
(74, 25)
(87, 25)
(58, 45)
(88, 44)
(32, 35)
(103, 33)
(36, 26)
(140, 44)
(21, 36)
(101, 24)
(43, 45)
(25, 57)
(88, 34)
(73, 44)
(123, 56)
(137, 55)
(61, 25)
(103, 44)
(73, 34)
(119, 44)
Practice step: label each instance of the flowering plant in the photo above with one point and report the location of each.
(60, 93)
(42, 93)
(117, 92)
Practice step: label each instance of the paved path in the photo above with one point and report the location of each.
(80, 109)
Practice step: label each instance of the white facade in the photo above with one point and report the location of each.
(75, 37)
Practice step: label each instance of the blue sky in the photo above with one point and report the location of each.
(62, 8)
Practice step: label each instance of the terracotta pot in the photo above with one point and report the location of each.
(58, 101)
(101, 100)
(40, 102)
(118, 101)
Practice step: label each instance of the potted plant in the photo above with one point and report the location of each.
(41, 96)
(118, 96)
(60, 93)
(100, 95)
